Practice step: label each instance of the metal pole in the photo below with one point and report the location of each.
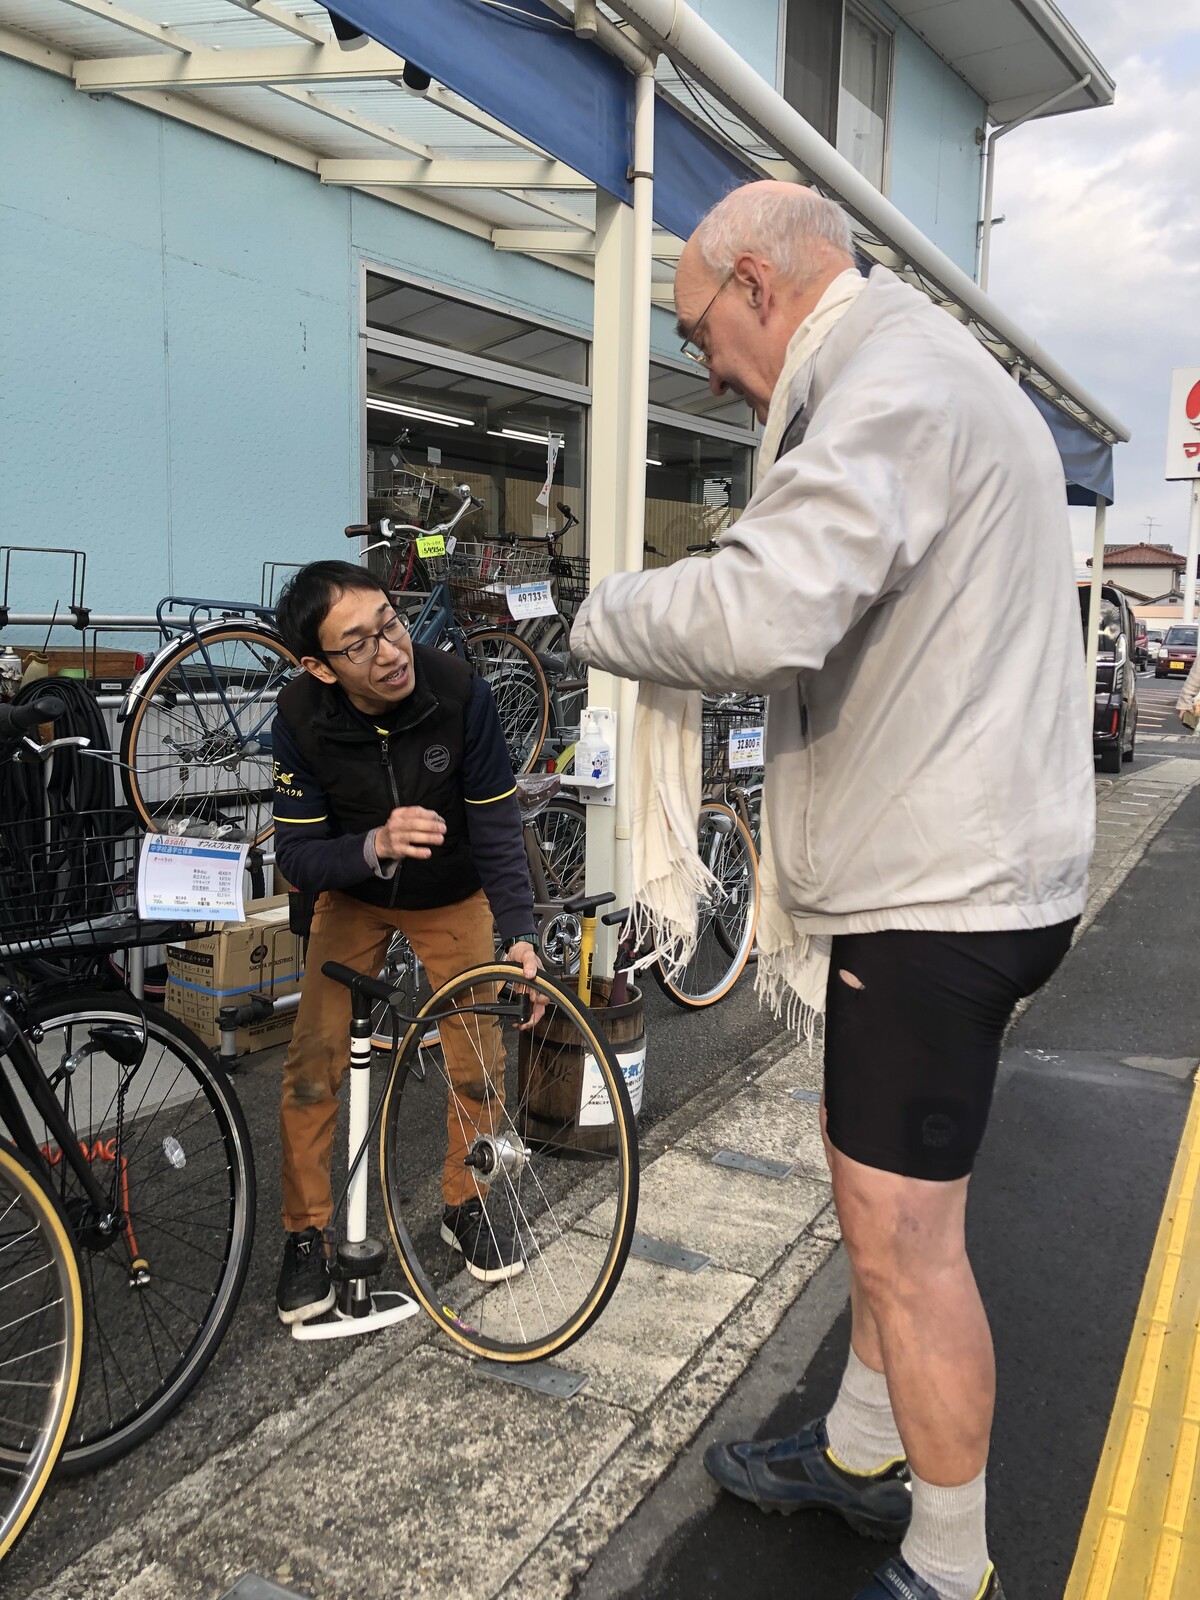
(985, 243)
(1093, 633)
(1189, 579)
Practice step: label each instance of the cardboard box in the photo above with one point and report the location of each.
(258, 956)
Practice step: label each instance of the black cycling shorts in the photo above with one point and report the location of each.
(911, 1057)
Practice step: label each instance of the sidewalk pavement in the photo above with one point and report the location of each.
(408, 1473)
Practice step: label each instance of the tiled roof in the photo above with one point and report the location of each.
(1142, 555)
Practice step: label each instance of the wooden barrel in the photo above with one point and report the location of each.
(565, 1106)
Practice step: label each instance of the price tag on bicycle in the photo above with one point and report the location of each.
(530, 599)
(745, 748)
(191, 880)
(431, 544)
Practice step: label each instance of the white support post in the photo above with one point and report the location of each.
(617, 490)
(1093, 633)
(607, 468)
(1189, 577)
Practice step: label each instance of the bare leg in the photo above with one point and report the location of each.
(918, 1308)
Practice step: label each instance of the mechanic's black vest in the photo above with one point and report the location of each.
(366, 773)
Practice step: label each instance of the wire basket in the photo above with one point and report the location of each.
(68, 883)
(570, 574)
(479, 575)
(720, 721)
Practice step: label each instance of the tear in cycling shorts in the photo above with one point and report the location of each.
(911, 1056)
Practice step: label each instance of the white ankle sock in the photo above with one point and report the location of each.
(946, 1543)
(861, 1427)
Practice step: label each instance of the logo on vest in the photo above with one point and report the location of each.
(437, 758)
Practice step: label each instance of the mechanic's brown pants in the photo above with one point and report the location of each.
(448, 941)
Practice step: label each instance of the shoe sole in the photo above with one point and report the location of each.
(485, 1275)
(306, 1313)
(867, 1527)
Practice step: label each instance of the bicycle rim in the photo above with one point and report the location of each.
(727, 919)
(549, 1110)
(41, 1342)
(191, 749)
(560, 831)
(518, 686)
(166, 1141)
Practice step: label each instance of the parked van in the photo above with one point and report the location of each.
(1114, 724)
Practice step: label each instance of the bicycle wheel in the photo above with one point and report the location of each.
(727, 920)
(518, 684)
(167, 1142)
(541, 1133)
(560, 831)
(41, 1341)
(198, 741)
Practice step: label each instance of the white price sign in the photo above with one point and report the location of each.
(530, 599)
(191, 880)
(745, 748)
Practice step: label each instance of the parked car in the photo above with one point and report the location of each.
(1114, 722)
(1141, 647)
(1177, 651)
(1154, 639)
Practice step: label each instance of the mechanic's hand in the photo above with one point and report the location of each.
(523, 955)
(409, 831)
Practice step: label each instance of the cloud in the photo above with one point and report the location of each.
(1099, 255)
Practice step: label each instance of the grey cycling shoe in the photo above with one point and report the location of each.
(796, 1474)
(896, 1580)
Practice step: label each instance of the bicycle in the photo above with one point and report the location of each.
(41, 1337)
(127, 1118)
(727, 843)
(196, 723)
(541, 1118)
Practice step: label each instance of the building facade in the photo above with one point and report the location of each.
(214, 360)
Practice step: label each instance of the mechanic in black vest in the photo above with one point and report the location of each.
(395, 802)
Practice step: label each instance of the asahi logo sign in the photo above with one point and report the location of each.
(1183, 424)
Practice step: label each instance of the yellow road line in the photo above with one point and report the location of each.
(1141, 1536)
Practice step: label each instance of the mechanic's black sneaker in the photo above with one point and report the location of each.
(304, 1288)
(796, 1474)
(490, 1251)
(896, 1580)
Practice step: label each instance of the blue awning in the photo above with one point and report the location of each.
(567, 95)
(1087, 461)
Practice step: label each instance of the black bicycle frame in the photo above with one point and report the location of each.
(19, 1051)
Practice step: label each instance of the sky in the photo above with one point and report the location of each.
(1099, 254)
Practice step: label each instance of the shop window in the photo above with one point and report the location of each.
(812, 45)
(696, 486)
(429, 429)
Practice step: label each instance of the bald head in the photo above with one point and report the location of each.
(802, 234)
(750, 274)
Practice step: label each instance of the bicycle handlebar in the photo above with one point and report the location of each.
(387, 530)
(17, 721)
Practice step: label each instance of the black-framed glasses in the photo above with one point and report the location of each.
(367, 649)
(689, 347)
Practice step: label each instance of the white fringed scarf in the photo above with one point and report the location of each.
(668, 874)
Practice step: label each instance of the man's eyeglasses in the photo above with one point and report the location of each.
(690, 347)
(367, 649)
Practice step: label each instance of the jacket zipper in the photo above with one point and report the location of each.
(385, 757)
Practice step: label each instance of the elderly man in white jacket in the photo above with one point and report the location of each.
(901, 586)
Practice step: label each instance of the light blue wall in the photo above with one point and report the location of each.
(179, 386)
(750, 26)
(935, 164)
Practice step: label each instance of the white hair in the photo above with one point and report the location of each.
(792, 227)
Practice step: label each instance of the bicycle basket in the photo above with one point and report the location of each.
(723, 762)
(570, 574)
(69, 882)
(479, 576)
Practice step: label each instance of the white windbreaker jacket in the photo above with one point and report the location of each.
(901, 587)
